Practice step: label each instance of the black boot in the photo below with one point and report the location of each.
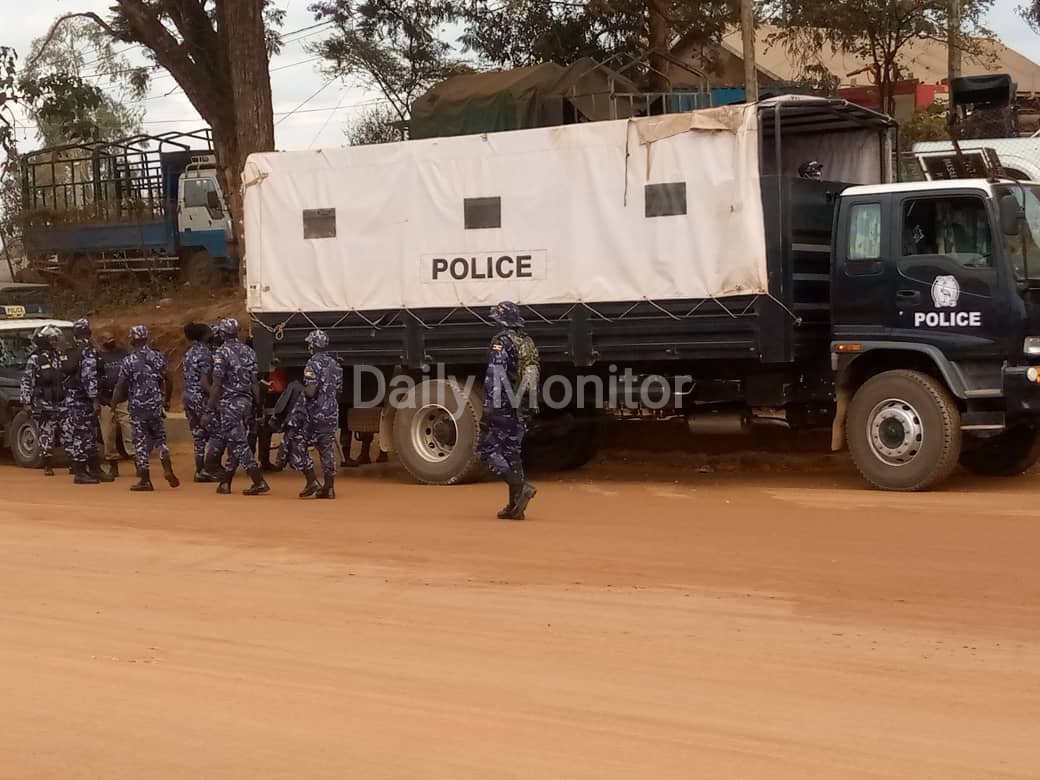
(506, 512)
(224, 488)
(312, 484)
(167, 468)
(113, 468)
(328, 490)
(81, 476)
(201, 475)
(259, 486)
(522, 492)
(94, 469)
(48, 470)
(144, 482)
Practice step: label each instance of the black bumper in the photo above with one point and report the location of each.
(1021, 396)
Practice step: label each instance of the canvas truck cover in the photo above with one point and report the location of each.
(661, 208)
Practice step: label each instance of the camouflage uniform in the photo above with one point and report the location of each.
(198, 363)
(80, 424)
(292, 422)
(234, 367)
(42, 393)
(512, 357)
(143, 371)
(325, 375)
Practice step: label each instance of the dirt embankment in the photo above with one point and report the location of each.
(166, 318)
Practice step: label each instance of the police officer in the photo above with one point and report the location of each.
(811, 170)
(234, 395)
(198, 370)
(323, 389)
(42, 392)
(144, 378)
(81, 428)
(512, 373)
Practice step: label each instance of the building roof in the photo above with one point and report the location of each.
(924, 60)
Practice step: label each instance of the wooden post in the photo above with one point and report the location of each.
(747, 31)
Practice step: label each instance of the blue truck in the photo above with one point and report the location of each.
(150, 203)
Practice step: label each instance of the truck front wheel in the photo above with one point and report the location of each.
(1005, 455)
(436, 431)
(904, 431)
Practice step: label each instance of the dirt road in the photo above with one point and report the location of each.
(755, 624)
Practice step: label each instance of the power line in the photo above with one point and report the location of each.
(328, 119)
(320, 89)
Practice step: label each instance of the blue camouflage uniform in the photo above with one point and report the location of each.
(324, 373)
(235, 365)
(512, 361)
(41, 391)
(142, 372)
(80, 427)
(292, 421)
(198, 364)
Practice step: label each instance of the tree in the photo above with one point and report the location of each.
(1031, 13)
(217, 51)
(388, 45)
(927, 124)
(524, 32)
(82, 50)
(877, 31)
(378, 125)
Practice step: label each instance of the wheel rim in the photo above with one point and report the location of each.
(895, 432)
(27, 440)
(434, 433)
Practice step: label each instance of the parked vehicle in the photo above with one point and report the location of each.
(23, 309)
(680, 263)
(142, 204)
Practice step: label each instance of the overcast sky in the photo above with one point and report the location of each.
(309, 113)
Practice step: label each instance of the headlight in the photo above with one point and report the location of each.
(1031, 346)
(1032, 374)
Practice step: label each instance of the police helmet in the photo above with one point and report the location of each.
(507, 314)
(228, 328)
(317, 339)
(811, 170)
(81, 328)
(139, 333)
(47, 334)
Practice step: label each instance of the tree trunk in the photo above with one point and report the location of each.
(953, 42)
(659, 40)
(241, 28)
(747, 30)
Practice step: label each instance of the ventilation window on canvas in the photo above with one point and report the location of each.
(483, 213)
(666, 200)
(319, 223)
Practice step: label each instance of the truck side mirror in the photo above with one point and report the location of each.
(213, 202)
(1011, 214)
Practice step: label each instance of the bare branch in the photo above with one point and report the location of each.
(60, 21)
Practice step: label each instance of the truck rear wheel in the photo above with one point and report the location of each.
(565, 447)
(904, 431)
(1005, 455)
(436, 431)
(25, 441)
(198, 270)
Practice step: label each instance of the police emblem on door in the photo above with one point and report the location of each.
(945, 292)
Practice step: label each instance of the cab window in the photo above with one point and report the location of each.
(196, 192)
(15, 348)
(955, 227)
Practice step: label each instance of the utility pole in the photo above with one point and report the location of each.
(747, 32)
(953, 42)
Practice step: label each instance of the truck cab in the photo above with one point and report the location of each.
(936, 326)
(203, 221)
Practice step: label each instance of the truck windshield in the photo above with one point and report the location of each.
(1024, 248)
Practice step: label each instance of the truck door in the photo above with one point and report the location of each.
(200, 206)
(945, 281)
(860, 284)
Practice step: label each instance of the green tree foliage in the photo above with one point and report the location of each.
(927, 124)
(1031, 13)
(876, 31)
(378, 125)
(392, 46)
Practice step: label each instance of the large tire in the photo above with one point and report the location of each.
(25, 441)
(1006, 455)
(904, 431)
(568, 447)
(436, 431)
(198, 270)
